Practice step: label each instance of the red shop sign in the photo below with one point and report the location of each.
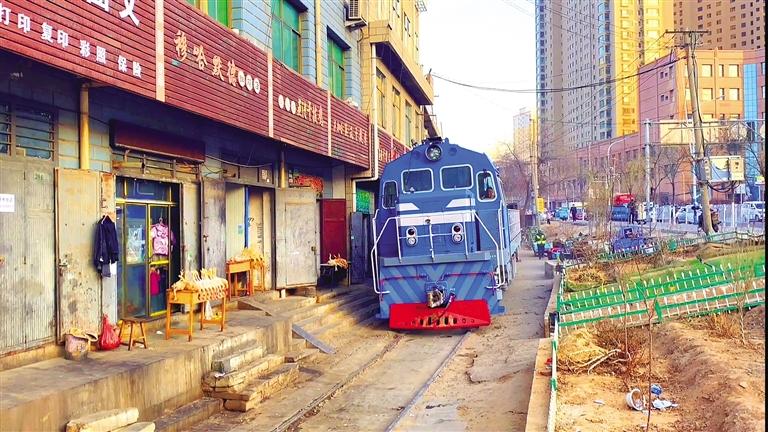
(110, 41)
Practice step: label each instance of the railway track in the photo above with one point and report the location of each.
(380, 394)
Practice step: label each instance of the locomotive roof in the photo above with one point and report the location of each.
(452, 154)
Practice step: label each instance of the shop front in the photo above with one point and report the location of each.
(147, 223)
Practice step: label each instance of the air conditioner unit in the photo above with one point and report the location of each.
(354, 18)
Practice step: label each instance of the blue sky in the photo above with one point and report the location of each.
(485, 42)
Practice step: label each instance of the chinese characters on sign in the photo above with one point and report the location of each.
(302, 108)
(356, 133)
(127, 11)
(61, 38)
(234, 75)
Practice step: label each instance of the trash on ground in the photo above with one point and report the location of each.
(662, 404)
(656, 389)
(599, 402)
(635, 399)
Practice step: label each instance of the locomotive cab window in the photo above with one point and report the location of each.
(456, 177)
(418, 180)
(390, 195)
(486, 190)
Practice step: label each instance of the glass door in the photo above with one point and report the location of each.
(134, 281)
(162, 243)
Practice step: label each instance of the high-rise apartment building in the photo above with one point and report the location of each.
(523, 132)
(733, 24)
(584, 42)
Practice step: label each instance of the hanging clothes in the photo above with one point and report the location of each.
(163, 239)
(106, 249)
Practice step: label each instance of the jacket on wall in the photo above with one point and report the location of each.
(106, 250)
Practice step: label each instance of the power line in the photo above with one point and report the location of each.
(555, 90)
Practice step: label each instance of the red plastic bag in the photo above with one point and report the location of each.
(109, 338)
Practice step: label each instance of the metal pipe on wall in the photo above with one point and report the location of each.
(85, 131)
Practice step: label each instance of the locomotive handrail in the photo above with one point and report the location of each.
(377, 237)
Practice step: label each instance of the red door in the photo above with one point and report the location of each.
(333, 228)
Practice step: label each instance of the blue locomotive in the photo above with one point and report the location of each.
(441, 257)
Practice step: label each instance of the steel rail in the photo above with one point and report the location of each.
(417, 397)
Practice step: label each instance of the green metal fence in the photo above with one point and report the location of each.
(687, 293)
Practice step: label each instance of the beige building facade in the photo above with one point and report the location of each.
(733, 24)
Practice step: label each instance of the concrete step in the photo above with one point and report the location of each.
(327, 332)
(104, 420)
(297, 343)
(237, 360)
(323, 308)
(305, 354)
(186, 416)
(325, 294)
(261, 389)
(137, 427)
(240, 379)
(321, 316)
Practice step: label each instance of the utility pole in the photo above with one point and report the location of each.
(698, 134)
(534, 173)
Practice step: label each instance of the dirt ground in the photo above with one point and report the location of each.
(486, 387)
(701, 364)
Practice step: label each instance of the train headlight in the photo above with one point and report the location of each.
(434, 152)
(457, 235)
(410, 236)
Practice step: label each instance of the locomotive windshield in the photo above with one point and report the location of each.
(419, 180)
(456, 177)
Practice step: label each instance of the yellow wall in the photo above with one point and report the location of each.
(394, 13)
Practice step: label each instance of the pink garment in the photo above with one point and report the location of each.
(161, 237)
(154, 283)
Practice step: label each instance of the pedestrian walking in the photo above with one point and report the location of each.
(539, 240)
(573, 213)
(632, 211)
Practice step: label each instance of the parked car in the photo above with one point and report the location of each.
(753, 211)
(563, 213)
(620, 213)
(581, 214)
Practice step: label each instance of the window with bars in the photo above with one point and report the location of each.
(26, 131)
(286, 34)
(336, 73)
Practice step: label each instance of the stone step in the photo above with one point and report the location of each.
(261, 389)
(186, 416)
(237, 360)
(326, 332)
(323, 316)
(297, 343)
(326, 294)
(138, 427)
(104, 421)
(345, 302)
(304, 354)
(240, 379)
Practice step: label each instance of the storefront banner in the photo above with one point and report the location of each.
(211, 71)
(109, 41)
(299, 179)
(350, 137)
(389, 149)
(300, 110)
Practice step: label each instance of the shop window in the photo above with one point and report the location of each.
(456, 177)
(485, 187)
(216, 9)
(286, 34)
(418, 180)
(390, 195)
(5, 128)
(336, 71)
(396, 113)
(26, 131)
